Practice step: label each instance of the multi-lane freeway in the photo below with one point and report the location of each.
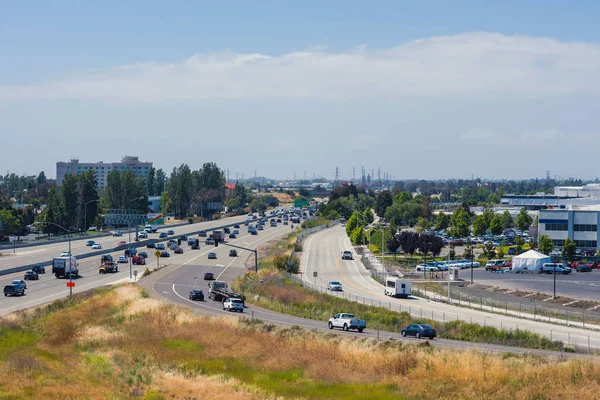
(48, 288)
(322, 254)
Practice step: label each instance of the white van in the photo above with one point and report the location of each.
(395, 287)
(493, 265)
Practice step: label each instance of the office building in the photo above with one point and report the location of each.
(102, 169)
(578, 223)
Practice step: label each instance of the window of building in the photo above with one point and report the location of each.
(557, 227)
(586, 243)
(558, 242)
(585, 228)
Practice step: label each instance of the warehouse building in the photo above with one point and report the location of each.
(578, 223)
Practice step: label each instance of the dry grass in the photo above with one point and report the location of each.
(116, 344)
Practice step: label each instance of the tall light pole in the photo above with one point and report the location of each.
(70, 254)
(471, 251)
(554, 265)
(85, 217)
(382, 251)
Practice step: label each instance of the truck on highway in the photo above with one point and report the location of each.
(107, 266)
(347, 321)
(218, 236)
(396, 287)
(219, 291)
(65, 267)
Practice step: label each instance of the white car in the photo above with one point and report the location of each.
(96, 246)
(233, 305)
(334, 286)
(427, 268)
(65, 254)
(122, 259)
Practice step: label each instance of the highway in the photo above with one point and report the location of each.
(48, 288)
(322, 253)
(45, 253)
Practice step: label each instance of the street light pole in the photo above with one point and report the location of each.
(85, 217)
(554, 265)
(471, 250)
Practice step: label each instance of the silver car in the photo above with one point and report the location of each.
(334, 286)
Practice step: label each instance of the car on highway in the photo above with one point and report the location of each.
(38, 269)
(347, 255)
(117, 233)
(346, 322)
(253, 231)
(151, 246)
(178, 250)
(19, 282)
(419, 331)
(196, 294)
(122, 260)
(160, 246)
(96, 246)
(162, 235)
(165, 254)
(31, 276)
(209, 241)
(12, 290)
(334, 286)
(212, 256)
(236, 232)
(202, 234)
(195, 246)
(209, 276)
(232, 236)
(170, 232)
(425, 267)
(121, 243)
(226, 230)
(233, 253)
(237, 226)
(138, 260)
(285, 222)
(233, 305)
(260, 227)
(89, 243)
(65, 254)
(170, 241)
(143, 254)
(173, 246)
(132, 251)
(142, 235)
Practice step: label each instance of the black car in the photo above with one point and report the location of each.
(202, 234)
(196, 294)
(232, 236)
(14, 290)
(419, 331)
(151, 245)
(236, 226)
(233, 253)
(38, 269)
(143, 254)
(583, 268)
(165, 254)
(226, 230)
(31, 276)
(196, 246)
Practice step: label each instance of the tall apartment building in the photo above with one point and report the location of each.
(102, 169)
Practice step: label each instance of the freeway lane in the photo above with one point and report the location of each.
(174, 283)
(322, 253)
(45, 253)
(48, 288)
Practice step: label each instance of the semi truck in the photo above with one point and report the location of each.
(398, 287)
(65, 267)
(219, 291)
(218, 236)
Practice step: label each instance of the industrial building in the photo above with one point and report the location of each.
(102, 169)
(578, 223)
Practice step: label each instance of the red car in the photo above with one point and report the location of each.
(178, 250)
(209, 276)
(138, 260)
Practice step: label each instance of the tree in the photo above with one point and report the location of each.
(488, 250)
(519, 242)
(166, 205)
(507, 220)
(357, 236)
(479, 227)
(500, 250)
(160, 182)
(384, 200)
(546, 245)
(12, 224)
(393, 244)
(460, 220)
(41, 178)
(488, 216)
(423, 223)
(523, 220)
(409, 241)
(150, 181)
(441, 221)
(569, 249)
(496, 225)
(287, 262)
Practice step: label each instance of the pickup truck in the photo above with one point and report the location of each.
(346, 321)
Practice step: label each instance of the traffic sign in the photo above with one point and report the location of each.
(157, 253)
(70, 284)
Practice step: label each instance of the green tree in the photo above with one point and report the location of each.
(496, 225)
(166, 205)
(441, 221)
(569, 249)
(402, 197)
(500, 249)
(507, 220)
(523, 220)
(546, 245)
(357, 236)
(113, 194)
(70, 201)
(460, 220)
(150, 181)
(12, 224)
(488, 215)
(351, 224)
(160, 182)
(479, 226)
(519, 242)
(41, 178)
(384, 200)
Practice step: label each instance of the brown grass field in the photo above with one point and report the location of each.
(118, 343)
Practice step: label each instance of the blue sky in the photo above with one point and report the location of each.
(281, 86)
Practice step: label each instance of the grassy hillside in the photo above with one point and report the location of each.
(117, 343)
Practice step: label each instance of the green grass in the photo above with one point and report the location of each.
(12, 340)
(182, 345)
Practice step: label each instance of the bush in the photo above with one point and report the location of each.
(190, 220)
(287, 263)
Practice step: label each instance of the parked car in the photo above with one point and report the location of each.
(419, 331)
(209, 276)
(12, 290)
(89, 243)
(196, 294)
(212, 256)
(96, 246)
(178, 250)
(165, 254)
(549, 268)
(233, 305)
(38, 269)
(122, 260)
(31, 276)
(233, 253)
(334, 286)
(425, 267)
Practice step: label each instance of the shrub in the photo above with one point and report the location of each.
(287, 263)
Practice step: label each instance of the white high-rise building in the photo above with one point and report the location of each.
(102, 169)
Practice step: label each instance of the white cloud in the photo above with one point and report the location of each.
(465, 64)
